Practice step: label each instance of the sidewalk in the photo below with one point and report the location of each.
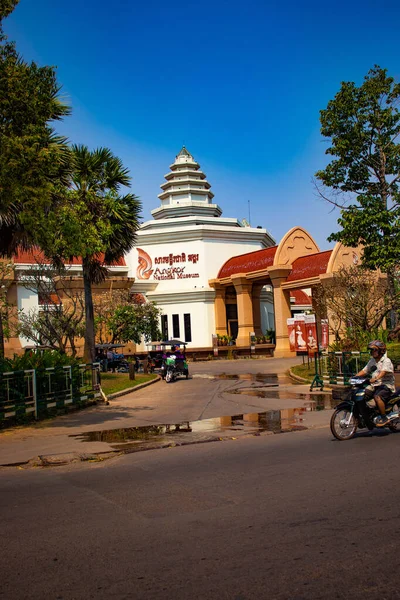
(204, 401)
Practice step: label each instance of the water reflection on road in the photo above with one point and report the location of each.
(133, 439)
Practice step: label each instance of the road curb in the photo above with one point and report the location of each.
(133, 389)
(59, 460)
(298, 378)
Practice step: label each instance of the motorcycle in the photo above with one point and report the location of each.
(173, 367)
(353, 413)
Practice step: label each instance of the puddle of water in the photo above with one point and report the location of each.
(312, 401)
(134, 439)
(272, 379)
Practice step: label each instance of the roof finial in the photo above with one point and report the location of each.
(184, 152)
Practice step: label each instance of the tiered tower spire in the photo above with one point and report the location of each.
(186, 191)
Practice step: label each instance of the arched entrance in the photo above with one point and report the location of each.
(295, 264)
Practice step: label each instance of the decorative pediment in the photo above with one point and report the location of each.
(297, 242)
(342, 256)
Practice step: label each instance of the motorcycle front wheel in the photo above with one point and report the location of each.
(168, 377)
(343, 424)
(394, 426)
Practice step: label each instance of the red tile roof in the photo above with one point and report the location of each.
(300, 298)
(246, 263)
(31, 257)
(311, 265)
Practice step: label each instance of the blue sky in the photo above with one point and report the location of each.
(239, 83)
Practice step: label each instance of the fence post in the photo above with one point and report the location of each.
(317, 382)
(70, 384)
(34, 390)
(131, 371)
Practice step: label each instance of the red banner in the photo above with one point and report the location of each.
(311, 333)
(291, 334)
(300, 333)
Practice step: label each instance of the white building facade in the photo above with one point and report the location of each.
(183, 247)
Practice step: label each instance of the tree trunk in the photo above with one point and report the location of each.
(1, 336)
(392, 291)
(89, 351)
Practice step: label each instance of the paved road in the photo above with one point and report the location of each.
(201, 397)
(292, 516)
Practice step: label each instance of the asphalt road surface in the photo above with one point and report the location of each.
(295, 515)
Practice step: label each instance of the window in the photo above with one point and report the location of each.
(188, 328)
(164, 327)
(175, 326)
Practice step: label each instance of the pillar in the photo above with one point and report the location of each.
(326, 279)
(243, 289)
(256, 294)
(278, 275)
(219, 308)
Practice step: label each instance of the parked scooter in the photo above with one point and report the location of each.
(354, 413)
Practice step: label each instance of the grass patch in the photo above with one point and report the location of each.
(304, 371)
(116, 382)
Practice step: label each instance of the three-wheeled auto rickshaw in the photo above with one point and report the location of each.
(117, 363)
(172, 356)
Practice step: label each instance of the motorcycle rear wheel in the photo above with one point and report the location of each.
(341, 427)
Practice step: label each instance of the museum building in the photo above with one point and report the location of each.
(208, 274)
(183, 248)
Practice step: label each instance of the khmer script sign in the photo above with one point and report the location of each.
(173, 268)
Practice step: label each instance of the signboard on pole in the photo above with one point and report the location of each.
(215, 344)
(300, 333)
(291, 334)
(311, 333)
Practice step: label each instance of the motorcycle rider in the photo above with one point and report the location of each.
(382, 384)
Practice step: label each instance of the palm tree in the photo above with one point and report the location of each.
(108, 220)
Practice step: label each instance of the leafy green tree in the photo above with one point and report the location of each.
(94, 221)
(363, 125)
(129, 322)
(34, 161)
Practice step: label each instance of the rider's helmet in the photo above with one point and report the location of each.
(173, 348)
(377, 345)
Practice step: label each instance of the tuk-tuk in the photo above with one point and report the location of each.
(118, 362)
(175, 358)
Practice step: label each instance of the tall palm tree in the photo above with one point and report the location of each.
(108, 221)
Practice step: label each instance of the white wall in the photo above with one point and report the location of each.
(201, 318)
(202, 261)
(212, 254)
(27, 300)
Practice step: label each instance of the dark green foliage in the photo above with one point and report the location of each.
(363, 125)
(6, 7)
(130, 321)
(34, 161)
(94, 221)
(37, 360)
